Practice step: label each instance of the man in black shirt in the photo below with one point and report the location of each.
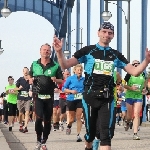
(24, 100)
(99, 63)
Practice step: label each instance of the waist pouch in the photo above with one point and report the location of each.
(101, 93)
(96, 98)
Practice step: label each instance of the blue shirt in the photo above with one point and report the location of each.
(73, 83)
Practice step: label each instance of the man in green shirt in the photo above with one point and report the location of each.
(11, 100)
(45, 73)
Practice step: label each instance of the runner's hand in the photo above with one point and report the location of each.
(134, 88)
(20, 87)
(147, 55)
(144, 91)
(57, 44)
(53, 78)
(30, 93)
(74, 92)
(56, 90)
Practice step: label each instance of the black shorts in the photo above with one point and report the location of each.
(73, 105)
(118, 110)
(12, 108)
(101, 115)
(31, 108)
(1, 112)
(63, 105)
(56, 104)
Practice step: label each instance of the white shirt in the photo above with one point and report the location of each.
(56, 96)
(1, 105)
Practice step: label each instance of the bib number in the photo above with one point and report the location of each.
(118, 102)
(24, 94)
(137, 86)
(103, 67)
(123, 98)
(44, 96)
(78, 96)
(11, 90)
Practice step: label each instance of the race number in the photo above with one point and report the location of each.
(103, 67)
(78, 96)
(24, 94)
(137, 86)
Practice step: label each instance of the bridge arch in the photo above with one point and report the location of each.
(51, 10)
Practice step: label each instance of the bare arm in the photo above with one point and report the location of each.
(145, 84)
(127, 87)
(70, 91)
(67, 91)
(18, 88)
(118, 78)
(66, 63)
(135, 71)
(59, 81)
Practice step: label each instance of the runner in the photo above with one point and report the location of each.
(62, 101)
(118, 108)
(74, 88)
(12, 101)
(134, 98)
(45, 73)
(1, 109)
(99, 61)
(123, 104)
(5, 107)
(56, 109)
(117, 81)
(24, 100)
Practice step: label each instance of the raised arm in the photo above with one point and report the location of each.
(64, 63)
(135, 71)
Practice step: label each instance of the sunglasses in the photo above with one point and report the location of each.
(135, 64)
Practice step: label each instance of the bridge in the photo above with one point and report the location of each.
(58, 13)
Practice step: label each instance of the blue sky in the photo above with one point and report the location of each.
(22, 34)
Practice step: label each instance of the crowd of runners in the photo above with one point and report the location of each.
(50, 96)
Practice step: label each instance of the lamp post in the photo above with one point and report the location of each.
(67, 52)
(1, 49)
(106, 15)
(5, 11)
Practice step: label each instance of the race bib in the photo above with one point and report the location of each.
(137, 86)
(24, 94)
(11, 90)
(103, 67)
(44, 96)
(78, 96)
(123, 98)
(118, 102)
